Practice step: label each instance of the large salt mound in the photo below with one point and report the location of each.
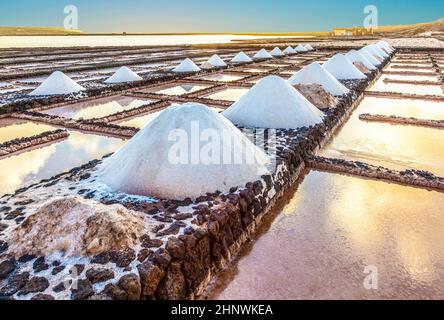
(342, 68)
(57, 83)
(369, 57)
(316, 74)
(273, 103)
(241, 57)
(124, 74)
(309, 47)
(187, 65)
(149, 163)
(379, 51)
(386, 45)
(300, 48)
(276, 52)
(216, 61)
(374, 52)
(289, 50)
(355, 56)
(263, 54)
(76, 227)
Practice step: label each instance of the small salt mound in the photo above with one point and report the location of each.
(216, 61)
(187, 65)
(289, 50)
(342, 68)
(263, 54)
(369, 57)
(124, 74)
(300, 48)
(57, 83)
(386, 45)
(374, 52)
(316, 74)
(186, 151)
(308, 47)
(241, 57)
(273, 103)
(355, 56)
(77, 227)
(379, 51)
(276, 52)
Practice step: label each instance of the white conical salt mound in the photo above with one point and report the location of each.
(273, 103)
(386, 45)
(369, 57)
(342, 68)
(241, 57)
(308, 47)
(289, 50)
(124, 74)
(355, 56)
(316, 74)
(379, 51)
(156, 162)
(300, 48)
(383, 47)
(187, 65)
(276, 52)
(57, 83)
(263, 54)
(216, 61)
(374, 52)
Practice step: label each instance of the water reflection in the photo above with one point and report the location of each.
(11, 129)
(222, 77)
(231, 94)
(380, 85)
(394, 146)
(98, 108)
(182, 89)
(42, 163)
(335, 226)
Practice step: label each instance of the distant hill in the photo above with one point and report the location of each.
(34, 31)
(415, 29)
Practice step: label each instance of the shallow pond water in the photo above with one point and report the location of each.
(380, 85)
(393, 146)
(42, 163)
(182, 89)
(230, 94)
(11, 129)
(334, 227)
(225, 77)
(98, 108)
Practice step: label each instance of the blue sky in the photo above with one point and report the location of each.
(216, 16)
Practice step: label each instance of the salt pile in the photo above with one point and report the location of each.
(76, 226)
(355, 56)
(369, 57)
(157, 162)
(273, 103)
(263, 54)
(342, 68)
(308, 47)
(56, 84)
(187, 65)
(316, 74)
(379, 51)
(124, 74)
(216, 61)
(241, 57)
(289, 50)
(300, 48)
(276, 52)
(374, 52)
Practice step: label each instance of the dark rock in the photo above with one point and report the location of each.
(42, 297)
(172, 230)
(173, 286)
(101, 258)
(79, 268)
(85, 176)
(26, 258)
(176, 248)
(59, 288)
(162, 258)
(197, 263)
(83, 291)
(123, 258)
(24, 202)
(3, 227)
(99, 275)
(147, 242)
(115, 292)
(144, 254)
(131, 285)
(150, 277)
(34, 285)
(40, 265)
(57, 270)
(16, 282)
(6, 268)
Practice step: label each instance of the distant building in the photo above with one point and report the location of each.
(355, 31)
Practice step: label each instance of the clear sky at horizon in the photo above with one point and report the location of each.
(216, 16)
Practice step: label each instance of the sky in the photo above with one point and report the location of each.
(177, 16)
